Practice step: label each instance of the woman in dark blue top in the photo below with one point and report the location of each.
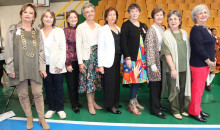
(202, 59)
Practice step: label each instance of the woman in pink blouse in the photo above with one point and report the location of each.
(72, 75)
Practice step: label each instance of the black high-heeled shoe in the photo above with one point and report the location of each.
(114, 112)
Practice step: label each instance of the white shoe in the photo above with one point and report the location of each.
(185, 114)
(62, 114)
(49, 114)
(178, 116)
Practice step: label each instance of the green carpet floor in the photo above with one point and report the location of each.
(210, 104)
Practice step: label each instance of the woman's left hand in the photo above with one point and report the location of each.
(58, 70)
(173, 74)
(43, 74)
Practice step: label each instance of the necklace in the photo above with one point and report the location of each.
(24, 43)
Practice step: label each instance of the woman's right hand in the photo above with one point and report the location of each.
(155, 73)
(173, 74)
(101, 70)
(69, 68)
(82, 68)
(128, 63)
(12, 75)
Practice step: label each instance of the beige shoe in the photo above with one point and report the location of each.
(133, 109)
(178, 116)
(44, 124)
(185, 114)
(29, 122)
(139, 106)
(61, 114)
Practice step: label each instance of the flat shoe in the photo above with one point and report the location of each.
(178, 116)
(185, 114)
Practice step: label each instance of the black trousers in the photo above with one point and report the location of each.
(53, 85)
(112, 83)
(155, 92)
(72, 80)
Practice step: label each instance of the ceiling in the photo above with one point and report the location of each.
(20, 2)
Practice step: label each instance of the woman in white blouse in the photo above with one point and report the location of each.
(55, 53)
(86, 47)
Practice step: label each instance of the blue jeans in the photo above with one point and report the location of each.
(53, 85)
(133, 90)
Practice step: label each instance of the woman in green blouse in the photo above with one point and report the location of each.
(176, 71)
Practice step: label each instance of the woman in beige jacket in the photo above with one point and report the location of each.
(86, 47)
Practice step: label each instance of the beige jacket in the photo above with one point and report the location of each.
(83, 39)
(57, 50)
(9, 56)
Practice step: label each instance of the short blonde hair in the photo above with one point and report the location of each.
(86, 6)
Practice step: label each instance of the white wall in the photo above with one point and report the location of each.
(10, 14)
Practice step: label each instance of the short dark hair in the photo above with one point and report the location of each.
(164, 26)
(212, 29)
(133, 6)
(69, 13)
(107, 12)
(24, 7)
(52, 14)
(156, 10)
(177, 13)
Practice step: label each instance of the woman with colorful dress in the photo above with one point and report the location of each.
(132, 45)
(86, 47)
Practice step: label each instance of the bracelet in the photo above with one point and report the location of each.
(128, 58)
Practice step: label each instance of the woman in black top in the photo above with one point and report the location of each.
(202, 59)
(109, 56)
(134, 73)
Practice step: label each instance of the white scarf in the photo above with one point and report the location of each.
(159, 32)
(170, 42)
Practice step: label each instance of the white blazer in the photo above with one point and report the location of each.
(106, 46)
(83, 41)
(57, 50)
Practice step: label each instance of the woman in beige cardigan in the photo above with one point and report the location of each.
(86, 47)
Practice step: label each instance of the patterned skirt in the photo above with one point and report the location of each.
(91, 80)
(129, 74)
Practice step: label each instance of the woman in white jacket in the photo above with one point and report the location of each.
(55, 53)
(109, 56)
(86, 48)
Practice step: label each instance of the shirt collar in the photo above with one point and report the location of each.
(21, 27)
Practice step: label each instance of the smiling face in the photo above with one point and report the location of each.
(134, 14)
(111, 18)
(48, 19)
(28, 15)
(202, 16)
(72, 19)
(89, 13)
(174, 22)
(158, 18)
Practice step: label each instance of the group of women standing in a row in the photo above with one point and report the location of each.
(88, 50)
